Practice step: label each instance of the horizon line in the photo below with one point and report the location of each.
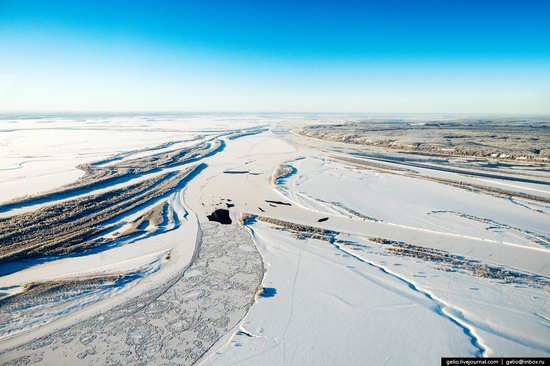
(84, 112)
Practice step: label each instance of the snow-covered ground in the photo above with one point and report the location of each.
(412, 269)
(324, 307)
(411, 202)
(355, 302)
(39, 155)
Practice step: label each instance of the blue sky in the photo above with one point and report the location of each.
(276, 56)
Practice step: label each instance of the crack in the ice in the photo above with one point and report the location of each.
(440, 308)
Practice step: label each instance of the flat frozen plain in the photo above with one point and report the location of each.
(411, 268)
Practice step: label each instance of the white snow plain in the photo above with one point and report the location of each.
(351, 300)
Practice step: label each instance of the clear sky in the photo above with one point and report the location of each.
(439, 56)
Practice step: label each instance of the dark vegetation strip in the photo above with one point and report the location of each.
(71, 226)
(97, 177)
